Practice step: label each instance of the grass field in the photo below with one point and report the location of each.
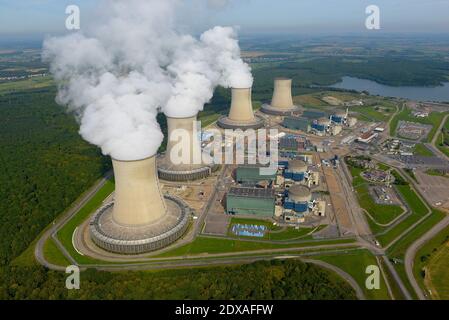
(418, 211)
(21, 85)
(438, 273)
(397, 251)
(53, 254)
(355, 263)
(205, 245)
(438, 173)
(443, 148)
(421, 150)
(375, 113)
(432, 257)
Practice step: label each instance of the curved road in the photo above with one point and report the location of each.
(39, 248)
(412, 251)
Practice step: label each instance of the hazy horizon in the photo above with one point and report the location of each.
(37, 18)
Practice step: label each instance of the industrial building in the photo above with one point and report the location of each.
(367, 137)
(297, 123)
(282, 102)
(299, 204)
(297, 171)
(191, 167)
(252, 174)
(339, 117)
(140, 219)
(241, 114)
(251, 201)
(321, 126)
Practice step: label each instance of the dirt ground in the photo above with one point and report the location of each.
(434, 188)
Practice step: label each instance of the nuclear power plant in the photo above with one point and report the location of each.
(282, 102)
(184, 145)
(241, 115)
(139, 219)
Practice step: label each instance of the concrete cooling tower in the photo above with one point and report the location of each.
(190, 167)
(241, 115)
(282, 102)
(140, 219)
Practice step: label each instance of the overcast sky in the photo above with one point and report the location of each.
(252, 16)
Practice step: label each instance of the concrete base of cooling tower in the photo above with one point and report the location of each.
(170, 172)
(226, 123)
(268, 109)
(110, 236)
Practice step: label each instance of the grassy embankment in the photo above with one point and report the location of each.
(355, 263)
(431, 265)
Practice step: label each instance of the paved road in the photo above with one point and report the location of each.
(39, 249)
(365, 236)
(432, 145)
(412, 251)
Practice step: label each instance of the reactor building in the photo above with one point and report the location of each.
(183, 142)
(139, 219)
(241, 115)
(300, 203)
(282, 102)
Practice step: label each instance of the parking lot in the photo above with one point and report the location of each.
(434, 188)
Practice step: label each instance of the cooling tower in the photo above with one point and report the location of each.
(241, 115)
(187, 150)
(140, 219)
(282, 102)
(138, 199)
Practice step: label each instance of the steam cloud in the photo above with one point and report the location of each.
(133, 62)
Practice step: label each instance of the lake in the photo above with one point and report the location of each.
(440, 93)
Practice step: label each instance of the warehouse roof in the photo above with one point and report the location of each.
(251, 193)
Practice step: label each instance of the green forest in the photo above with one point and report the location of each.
(393, 71)
(45, 166)
(287, 280)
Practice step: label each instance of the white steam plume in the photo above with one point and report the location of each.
(132, 62)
